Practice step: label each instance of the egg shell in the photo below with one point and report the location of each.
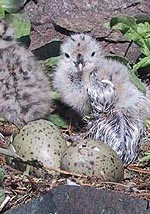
(93, 158)
(40, 140)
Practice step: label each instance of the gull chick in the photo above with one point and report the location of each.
(23, 85)
(93, 84)
(79, 55)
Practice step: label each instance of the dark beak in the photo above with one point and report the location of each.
(80, 62)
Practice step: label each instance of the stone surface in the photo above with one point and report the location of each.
(83, 200)
(57, 18)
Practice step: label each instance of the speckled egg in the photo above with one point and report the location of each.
(40, 140)
(93, 158)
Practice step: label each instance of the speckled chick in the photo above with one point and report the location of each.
(80, 56)
(89, 82)
(24, 87)
(121, 131)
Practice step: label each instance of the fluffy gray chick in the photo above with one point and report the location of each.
(24, 87)
(120, 108)
(121, 129)
(81, 55)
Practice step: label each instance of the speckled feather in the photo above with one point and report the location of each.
(121, 131)
(73, 85)
(24, 87)
(102, 94)
(102, 88)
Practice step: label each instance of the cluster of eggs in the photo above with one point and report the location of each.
(41, 140)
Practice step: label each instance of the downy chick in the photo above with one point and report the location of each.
(120, 108)
(101, 93)
(81, 55)
(24, 87)
(121, 129)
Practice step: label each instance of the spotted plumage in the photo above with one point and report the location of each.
(23, 85)
(101, 94)
(119, 130)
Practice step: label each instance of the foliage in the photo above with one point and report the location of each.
(11, 6)
(138, 32)
(146, 157)
(2, 173)
(9, 9)
(57, 120)
(20, 24)
(50, 62)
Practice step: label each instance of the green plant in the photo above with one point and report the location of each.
(139, 33)
(9, 9)
(146, 157)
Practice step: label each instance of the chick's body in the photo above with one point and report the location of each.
(73, 83)
(89, 82)
(70, 80)
(121, 131)
(24, 87)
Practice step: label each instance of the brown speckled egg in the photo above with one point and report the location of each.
(40, 140)
(93, 158)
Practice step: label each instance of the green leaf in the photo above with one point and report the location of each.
(57, 120)
(142, 38)
(20, 23)
(136, 81)
(1, 119)
(147, 124)
(142, 63)
(12, 6)
(50, 62)
(2, 173)
(133, 31)
(121, 59)
(2, 12)
(54, 95)
(107, 25)
(123, 23)
(2, 195)
(145, 158)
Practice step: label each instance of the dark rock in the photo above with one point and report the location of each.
(56, 19)
(83, 200)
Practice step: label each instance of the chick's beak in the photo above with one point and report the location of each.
(80, 67)
(80, 62)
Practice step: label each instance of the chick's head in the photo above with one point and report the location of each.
(80, 53)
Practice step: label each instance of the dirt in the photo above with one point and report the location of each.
(22, 189)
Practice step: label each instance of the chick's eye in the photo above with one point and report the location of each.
(93, 53)
(67, 55)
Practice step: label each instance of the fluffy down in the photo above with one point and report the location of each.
(24, 87)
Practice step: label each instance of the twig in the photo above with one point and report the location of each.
(139, 170)
(63, 172)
